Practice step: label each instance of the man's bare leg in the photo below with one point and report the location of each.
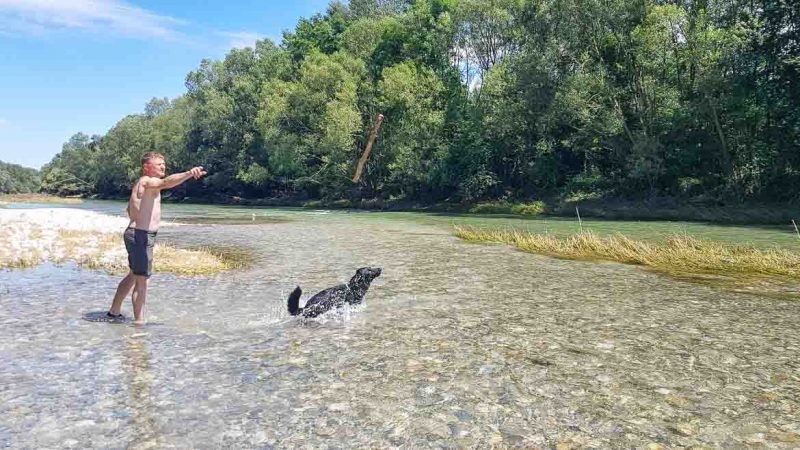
(139, 297)
(123, 289)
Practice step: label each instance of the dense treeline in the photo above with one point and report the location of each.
(15, 179)
(502, 99)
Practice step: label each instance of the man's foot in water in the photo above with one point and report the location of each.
(115, 317)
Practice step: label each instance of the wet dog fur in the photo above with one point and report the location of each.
(351, 293)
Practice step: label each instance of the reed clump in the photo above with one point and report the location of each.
(199, 261)
(679, 255)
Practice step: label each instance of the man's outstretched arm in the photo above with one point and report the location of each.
(174, 179)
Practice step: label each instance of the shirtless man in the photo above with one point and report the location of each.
(144, 211)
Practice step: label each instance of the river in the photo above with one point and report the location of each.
(459, 345)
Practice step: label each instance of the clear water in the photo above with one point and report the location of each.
(459, 346)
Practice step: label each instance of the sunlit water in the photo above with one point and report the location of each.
(458, 346)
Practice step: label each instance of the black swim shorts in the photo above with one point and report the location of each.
(139, 244)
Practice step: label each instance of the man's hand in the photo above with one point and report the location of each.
(197, 172)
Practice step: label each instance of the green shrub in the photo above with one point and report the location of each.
(529, 209)
(491, 208)
(373, 203)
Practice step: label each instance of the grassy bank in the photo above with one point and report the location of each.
(105, 251)
(760, 236)
(681, 256)
(38, 198)
(671, 209)
(667, 209)
(92, 240)
(743, 214)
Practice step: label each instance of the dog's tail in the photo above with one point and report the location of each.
(294, 301)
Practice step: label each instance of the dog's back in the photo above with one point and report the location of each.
(352, 293)
(324, 301)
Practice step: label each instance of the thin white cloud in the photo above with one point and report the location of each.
(240, 39)
(39, 17)
(4, 122)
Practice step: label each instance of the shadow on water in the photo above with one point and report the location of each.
(102, 316)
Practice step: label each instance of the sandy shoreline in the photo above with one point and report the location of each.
(59, 235)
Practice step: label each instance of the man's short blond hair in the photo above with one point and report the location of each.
(151, 155)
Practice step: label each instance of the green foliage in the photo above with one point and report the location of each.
(15, 179)
(321, 33)
(412, 97)
(310, 124)
(479, 186)
(363, 36)
(529, 209)
(576, 99)
(376, 8)
(72, 171)
(526, 209)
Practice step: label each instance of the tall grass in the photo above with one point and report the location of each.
(679, 255)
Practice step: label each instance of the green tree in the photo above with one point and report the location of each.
(309, 125)
(16, 179)
(73, 170)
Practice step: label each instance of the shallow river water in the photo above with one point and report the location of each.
(459, 345)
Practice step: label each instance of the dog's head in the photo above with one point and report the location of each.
(367, 274)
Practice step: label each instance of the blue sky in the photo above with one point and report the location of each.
(81, 65)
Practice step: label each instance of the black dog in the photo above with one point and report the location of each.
(351, 293)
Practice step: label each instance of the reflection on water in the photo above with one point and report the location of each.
(458, 345)
(144, 424)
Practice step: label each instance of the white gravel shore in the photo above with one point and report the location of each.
(29, 237)
(33, 236)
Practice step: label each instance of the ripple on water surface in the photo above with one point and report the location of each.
(458, 345)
